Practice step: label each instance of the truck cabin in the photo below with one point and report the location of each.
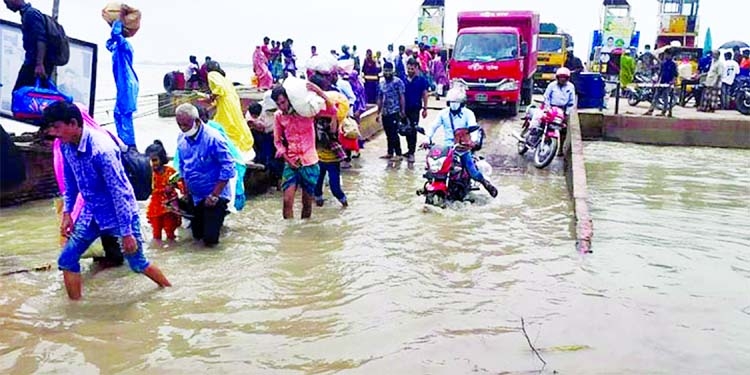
(488, 44)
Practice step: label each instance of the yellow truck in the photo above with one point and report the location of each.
(553, 51)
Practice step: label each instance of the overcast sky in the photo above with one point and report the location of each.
(228, 30)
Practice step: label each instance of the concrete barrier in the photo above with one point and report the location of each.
(729, 132)
(575, 173)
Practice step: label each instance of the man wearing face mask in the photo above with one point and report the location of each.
(391, 109)
(206, 164)
(457, 117)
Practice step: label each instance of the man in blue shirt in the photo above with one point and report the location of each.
(455, 117)
(391, 109)
(34, 28)
(415, 98)
(93, 168)
(206, 164)
(667, 78)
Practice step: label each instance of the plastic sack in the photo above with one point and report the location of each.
(484, 167)
(267, 103)
(29, 102)
(341, 102)
(322, 64)
(350, 128)
(346, 66)
(131, 19)
(306, 103)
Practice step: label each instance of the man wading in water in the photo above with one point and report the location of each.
(294, 137)
(93, 167)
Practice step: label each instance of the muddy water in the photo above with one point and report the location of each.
(671, 268)
(385, 287)
(380, 287)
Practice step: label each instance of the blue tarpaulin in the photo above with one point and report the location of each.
(126, 81)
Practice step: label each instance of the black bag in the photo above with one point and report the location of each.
(138, 169)
(58, 47)
(406, 128)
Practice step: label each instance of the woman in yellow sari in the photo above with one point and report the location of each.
(228, 108)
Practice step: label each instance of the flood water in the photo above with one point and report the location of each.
(385, 287)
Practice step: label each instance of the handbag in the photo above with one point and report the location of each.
(28, 102)
(461, 137)
(406, 128)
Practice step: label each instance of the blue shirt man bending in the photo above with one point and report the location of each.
(93, 168)
(206, 164)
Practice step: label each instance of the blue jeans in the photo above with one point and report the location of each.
(467, 159)
(334, 171)
(85, 234)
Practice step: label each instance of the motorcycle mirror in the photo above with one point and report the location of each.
(420, 130)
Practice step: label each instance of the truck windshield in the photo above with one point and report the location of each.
(486, 47)
(550, 44)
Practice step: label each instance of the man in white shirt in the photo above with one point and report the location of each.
(455, 117)
(391, 55)
(561, 94)
(731, 69)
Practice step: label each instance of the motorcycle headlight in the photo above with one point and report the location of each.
(511, 85)
(558, 120)
(435, 164)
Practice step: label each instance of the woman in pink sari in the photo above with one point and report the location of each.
(260, 67)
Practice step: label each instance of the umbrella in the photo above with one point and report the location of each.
(734, 43)
(707, 43)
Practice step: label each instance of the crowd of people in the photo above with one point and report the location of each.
(716, 77)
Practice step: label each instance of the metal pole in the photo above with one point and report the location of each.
(617, 99)
(55, 9)
(55, 14)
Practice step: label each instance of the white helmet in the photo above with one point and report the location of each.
(456, 95)
(563, 72)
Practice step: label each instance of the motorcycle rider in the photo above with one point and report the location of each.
(456, 117)
(561, 94)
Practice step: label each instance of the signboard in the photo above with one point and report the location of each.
(617, 33)
(673, 24)
(77, 78)
(430, 26)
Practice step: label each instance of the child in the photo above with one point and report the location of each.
(160, 213)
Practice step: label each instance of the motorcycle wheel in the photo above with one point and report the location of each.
(436, 200)
(633, 99)
(545, 153)
(743, 103)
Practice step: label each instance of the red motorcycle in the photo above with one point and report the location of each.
(543, 139)
(447, 179)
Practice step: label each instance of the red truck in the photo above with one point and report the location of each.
(495, 57)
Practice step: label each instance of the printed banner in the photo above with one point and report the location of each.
(617, 33)
(430, 26)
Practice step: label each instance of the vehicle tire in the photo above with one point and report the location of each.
(743, 103)
(436, 200)
(170, 83)
(633, 98)
(514, 108)
(545, 153)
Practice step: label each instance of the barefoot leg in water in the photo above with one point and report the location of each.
(73, 284)
(307, 202)
(289, 194)
(154, 273)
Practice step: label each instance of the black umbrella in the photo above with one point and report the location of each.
(734, 43)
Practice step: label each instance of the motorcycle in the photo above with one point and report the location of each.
(543, 139)
(644, 91)
(447, 179)
(742, 95)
